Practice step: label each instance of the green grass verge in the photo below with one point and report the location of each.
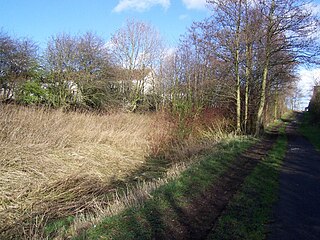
(154, 169)
(310, 131)
(288, 116)
(160, 213)
(248, 213)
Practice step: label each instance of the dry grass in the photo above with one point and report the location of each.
(130, 197)
(204, 131)
(55, 163)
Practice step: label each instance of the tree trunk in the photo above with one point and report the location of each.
(248, 81)
(276, 102)
(269, 34)
(237, 71)
(260, 122)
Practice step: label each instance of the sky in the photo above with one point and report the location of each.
(41, 19)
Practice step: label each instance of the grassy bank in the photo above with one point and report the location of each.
(162, 215)
(248, 214)
(310, 130)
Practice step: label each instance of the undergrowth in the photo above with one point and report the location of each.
(310, 130)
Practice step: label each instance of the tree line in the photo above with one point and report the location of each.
(246, 55)
(242, 59)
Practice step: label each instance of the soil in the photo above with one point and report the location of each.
(197, 219)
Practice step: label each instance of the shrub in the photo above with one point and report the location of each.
(101, 95)
(314, 108)
(31, 93)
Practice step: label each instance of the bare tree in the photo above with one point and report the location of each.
(18, 62)
(137, 47)
(81, 60)
(93, 58)
(229, 15)
(61, 62)
(288, 27)
(252, 49)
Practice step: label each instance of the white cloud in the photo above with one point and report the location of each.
(144, 5)
(140, 5)
(183, 16)
(195, 4)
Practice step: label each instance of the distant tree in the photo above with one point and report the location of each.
(136, 48)
(93, 58)
(95, 74)
(81, 60)
(288, 27)
(248, 53)
(18, 62)
(62, 65)
(229, 16)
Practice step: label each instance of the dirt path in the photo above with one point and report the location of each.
(198, 218)
(297, 213)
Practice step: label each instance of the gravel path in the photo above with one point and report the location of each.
(297, 213)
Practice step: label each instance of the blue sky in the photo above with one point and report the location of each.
(40, 19)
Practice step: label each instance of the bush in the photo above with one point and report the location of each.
(101, 95)
(314, 108)
(147, 103)
(31, 93)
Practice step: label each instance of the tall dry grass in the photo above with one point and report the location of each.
(54, 163)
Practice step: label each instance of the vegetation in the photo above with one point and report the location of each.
(310, 130)
(31, 93)
(57, 164)
(314, 105)
(248, 214)
(250, 60)
(149, 220)
(310, 126)
(240, 59)
(89, 128)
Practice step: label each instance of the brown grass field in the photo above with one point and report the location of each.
(55, 164)
(58, 163)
